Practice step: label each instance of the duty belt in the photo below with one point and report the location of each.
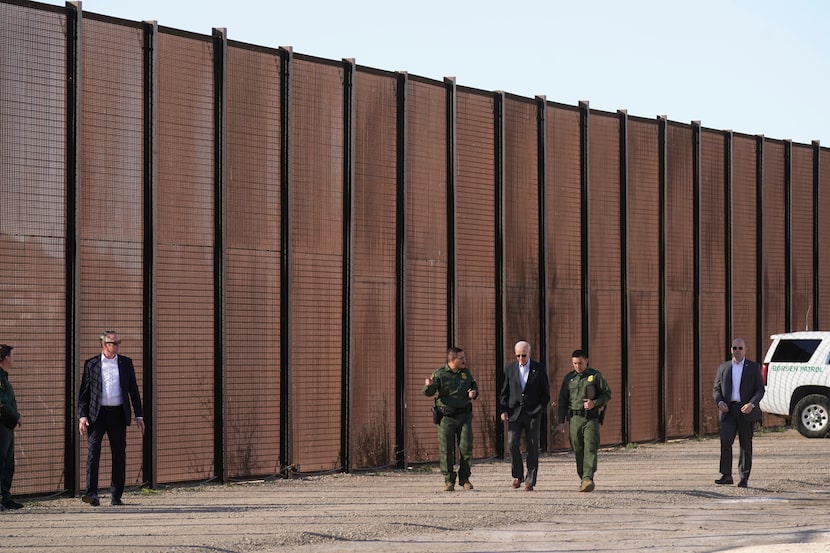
(455, 411)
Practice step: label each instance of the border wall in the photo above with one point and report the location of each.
(288, 244)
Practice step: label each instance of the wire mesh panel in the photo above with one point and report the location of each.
(643, 280)
(316, 285)
(374, 282)
(38, 274)
(680, 294)
(520, 216)
(563, 256)
(773, 261)
(111, 206)
(774, 198)
(252, 264)
(712, 239)
(475, 243)
(742, 210)
(823, 204)
(521, 226)
(605, 294)
(426, 258)
(185, 260)
(32, 237)
(801, 238)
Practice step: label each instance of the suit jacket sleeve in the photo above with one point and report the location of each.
(84, 393)
(757, 387)
(130, 388)
(718, 391)
(564, 400)
(757, 383)
(504, 395)
(543, 385)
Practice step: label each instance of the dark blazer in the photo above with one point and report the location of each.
(89, 398)
(535, 397)
(752, 387)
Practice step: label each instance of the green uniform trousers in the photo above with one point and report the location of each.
(584, 434)
(456, 429)
(6, 461)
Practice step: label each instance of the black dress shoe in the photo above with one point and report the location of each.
(11, 504)
(743, 483)
(117, 501)
(724, 480)
(92, 499)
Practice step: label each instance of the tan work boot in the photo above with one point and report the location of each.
(587, 485)
(468, 485)
(449, 487)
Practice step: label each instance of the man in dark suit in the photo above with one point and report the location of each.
(108, 386)
(738, 388)
(524, 396)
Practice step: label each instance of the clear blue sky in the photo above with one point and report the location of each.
(752, 66)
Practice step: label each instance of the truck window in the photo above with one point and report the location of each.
(795, 351)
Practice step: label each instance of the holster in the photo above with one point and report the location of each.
(437, 415)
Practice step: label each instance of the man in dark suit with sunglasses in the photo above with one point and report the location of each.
(523, 399)
(108, 386)
(738, 389)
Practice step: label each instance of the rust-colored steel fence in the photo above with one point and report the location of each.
(288, 244)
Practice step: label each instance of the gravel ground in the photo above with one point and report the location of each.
(659, 497)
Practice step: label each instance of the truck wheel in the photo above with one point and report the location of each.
(811, 416)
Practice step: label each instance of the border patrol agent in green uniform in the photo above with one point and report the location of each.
(455, 386)
(9, 418)
(582, 400)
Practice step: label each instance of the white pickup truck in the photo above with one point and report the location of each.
(796, 372)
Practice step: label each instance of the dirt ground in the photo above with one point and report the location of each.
(659, 497)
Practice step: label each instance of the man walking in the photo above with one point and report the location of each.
(738, 388)
(455, 387)
(108, 386)
(524, 396)
(582, 397)
(9, 419)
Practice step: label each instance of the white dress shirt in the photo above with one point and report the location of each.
(111, 392)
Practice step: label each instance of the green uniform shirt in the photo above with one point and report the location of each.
(576, 387)
(452, 388)
(8, 404)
